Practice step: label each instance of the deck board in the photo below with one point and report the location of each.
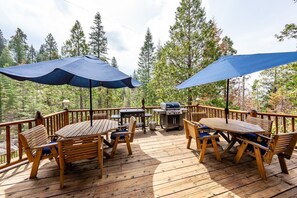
(160, 166)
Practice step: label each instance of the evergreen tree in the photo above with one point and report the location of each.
(32, 55)
(5, 86)
(76, 45)
(186, 42)
(98, 40)
(6, 58)
(42, 55)
(2, 42)
(114, 62)
(51, 47)
(289, 32)
(18, 45)
(145, 66)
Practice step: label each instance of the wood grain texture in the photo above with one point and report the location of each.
(161, 166)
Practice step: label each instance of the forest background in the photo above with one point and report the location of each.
(194, 43)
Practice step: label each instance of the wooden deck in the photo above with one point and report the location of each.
(160, 166)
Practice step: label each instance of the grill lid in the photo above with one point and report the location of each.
(170, 105)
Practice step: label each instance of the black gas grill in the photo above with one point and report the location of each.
(171, 115)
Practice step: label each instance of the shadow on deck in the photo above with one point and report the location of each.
(160, 166)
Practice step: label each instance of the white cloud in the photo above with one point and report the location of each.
(126, 22)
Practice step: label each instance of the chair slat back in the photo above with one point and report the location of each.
(191, 128)
(264, 124)
(197, 116)
(76, 149)
(132, 127)
(33, 137)
(283, 144)
(99, 116)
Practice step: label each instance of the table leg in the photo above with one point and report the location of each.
(230, 145)
(223, 135)
(107, 143)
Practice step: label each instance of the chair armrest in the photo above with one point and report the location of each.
(264, 136)
(210, 136)
(45, 145)
(122, 132)
(254, 144)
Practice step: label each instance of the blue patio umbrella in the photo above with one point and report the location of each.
(81, 71)
(232, 66)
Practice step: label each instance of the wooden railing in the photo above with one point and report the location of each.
(282, 123)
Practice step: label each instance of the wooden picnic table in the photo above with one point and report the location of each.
(234, 127)
(80, 129)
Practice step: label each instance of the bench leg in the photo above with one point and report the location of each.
(240, 152)
(128, 144)
(260, 164)
(215, 148)
(189, 142)
(282, 163)
(35, 165)
(202, 151)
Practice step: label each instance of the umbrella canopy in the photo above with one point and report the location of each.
(232, 66)
(82, 71)
(76, 71)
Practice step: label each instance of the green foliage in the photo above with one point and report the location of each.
(114, 62)
(32, 55)
(145, 69)
(18, 45)
(289, 32)
(76, 45)
(51, 47)
(98, 40)
(6, 58)
(2, 42)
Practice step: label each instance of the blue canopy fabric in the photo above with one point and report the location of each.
(75, 71)
(232, 66)
(81, 71)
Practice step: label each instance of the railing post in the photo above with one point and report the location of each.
(66, 117)
(197, 107)
(253, 113)
(38, 118)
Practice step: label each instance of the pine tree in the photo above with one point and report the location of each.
(114, 62)
(145, 66)
(76, 45)
(98, 40)
(186, 42)
(42, 55)
(32, 55)
(18, 45)
(51, 47)
(6, 58)
(2, 42)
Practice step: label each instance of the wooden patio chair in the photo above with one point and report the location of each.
(281, 145)
(203, 139)
(197, 116)
(37, 146)
(264, 124)
(123, 136)
(77, 149)
(98, 116)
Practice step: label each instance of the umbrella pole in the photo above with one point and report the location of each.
(227, 102)
(91, 106)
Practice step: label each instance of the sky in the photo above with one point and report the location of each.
(250, 24)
